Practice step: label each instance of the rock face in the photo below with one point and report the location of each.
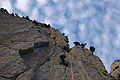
(31, 51)
(87, 66)
(115, 70)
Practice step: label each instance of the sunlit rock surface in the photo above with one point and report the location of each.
(115, 69)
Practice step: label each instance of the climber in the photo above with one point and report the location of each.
(77, 43)
(83, 45)
(66, 64)
(62, 57)
(67, 40)
(92, 48)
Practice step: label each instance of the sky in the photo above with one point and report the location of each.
(95, 22)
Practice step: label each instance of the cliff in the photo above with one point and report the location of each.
(115, 70)
(30, 50)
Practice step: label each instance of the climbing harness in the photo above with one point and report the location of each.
(72, 70)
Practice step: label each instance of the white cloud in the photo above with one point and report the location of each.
(62, 20)
(47, 21)
(70, 5)
(105, 38)
(55, 1)
(23, 5)
(96, 40)
(107, 18)
(35, 14)
(79, 5)
(87, 1)
(82, 31)
(88, 13)
(117, 37)
(60, 8)
(72, 38)
(6, 4)
(66, 31)
(48, 11)
(117, 41)
(42, 2)
(82, 28)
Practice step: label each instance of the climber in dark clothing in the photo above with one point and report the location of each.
(62, 57)
(65, 64)
(83, 45)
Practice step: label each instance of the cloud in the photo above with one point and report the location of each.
(55, 1)
(87, 1)
(42, 2)
(47, 21)
(62, 20)
(48, 11)
(6, 4)
(66, 31)
(117, 41)
(35, 14)
(79, 5)
(97, 40)
(60, 8)
(70, 4)
(23, 5)
(105, 38)
(82, 31)
(88, 13)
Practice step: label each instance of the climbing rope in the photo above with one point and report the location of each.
(72, 69)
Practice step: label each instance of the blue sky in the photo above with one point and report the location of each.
(96, 22)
